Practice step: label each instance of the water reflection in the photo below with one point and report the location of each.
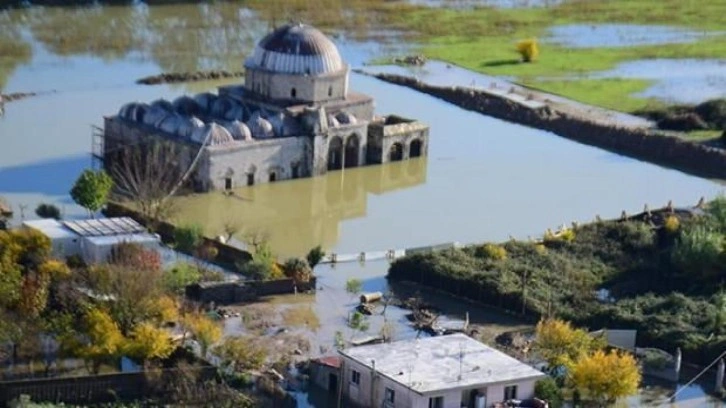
(297, 213)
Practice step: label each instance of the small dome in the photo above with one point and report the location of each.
(188, 126)
(236, 113)
(345, 118)
(163, 104)
(205, 100)
(296, 49)
(154, 116)
(239, 130)
(213, 134)
(171, 123)
(133, 111)
(186, 105)
(277, 120)
(332, 122)
(261, 128)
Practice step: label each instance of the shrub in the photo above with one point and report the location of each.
(135, 256)
(179, 276)
(671, 224)
(257, 270)
(547, 389)
(315, 256)
(188, 237)
(698, 251)
(528, 49)
(713, 112)
(48, 211)
(491, 251)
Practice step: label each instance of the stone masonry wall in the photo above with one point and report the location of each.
(646, 144)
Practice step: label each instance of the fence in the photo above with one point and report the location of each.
(98, 388)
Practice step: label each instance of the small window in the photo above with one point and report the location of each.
(250, 179)
(330, 91)
(293, 93)
(228, 183)
(355, 377)
(273, 177)
(390, 397)
(436, 402)
(510, 392)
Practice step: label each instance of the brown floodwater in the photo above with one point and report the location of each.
(484, 179)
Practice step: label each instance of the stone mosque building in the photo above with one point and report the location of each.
(293, 117)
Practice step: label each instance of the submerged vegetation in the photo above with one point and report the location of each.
(663, 277)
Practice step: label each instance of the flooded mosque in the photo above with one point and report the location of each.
(293, 117)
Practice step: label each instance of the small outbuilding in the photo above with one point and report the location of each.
(450, 371)
(93, 239)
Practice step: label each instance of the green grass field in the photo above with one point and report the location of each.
(484, 40)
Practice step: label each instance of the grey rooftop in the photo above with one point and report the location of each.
(442, 363)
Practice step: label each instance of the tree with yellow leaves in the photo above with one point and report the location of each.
(148, 342)
(102, 340)
(604, 377)
(561, 345)
(205, 331)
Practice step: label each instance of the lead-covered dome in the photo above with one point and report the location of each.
(296, 49)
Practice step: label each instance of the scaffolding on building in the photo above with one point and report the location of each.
(97, 147)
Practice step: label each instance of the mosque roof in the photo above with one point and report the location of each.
(296, 49)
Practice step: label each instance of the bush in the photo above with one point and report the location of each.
(713, 112)
(48, 211)
(135, 256)
(671, 224)
(179, 276)
(528, 49)
(257, 270)
(547, 389)
(188, 237)
(491, 251)
(698, 252)
(315, 256)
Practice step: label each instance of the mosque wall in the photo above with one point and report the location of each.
(259, 162)
(303, 88)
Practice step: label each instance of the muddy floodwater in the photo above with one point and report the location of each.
(484, 179)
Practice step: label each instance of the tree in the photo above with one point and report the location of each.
(44, 210)
(205, 331)
(298, 270)
(547, 389)
(148, 176)
(528, 49)
(257, 270)
(148, 342)
(561, 345)
(241, 353)
(91, 190)
(603, 378)
(697, 252)
(314, 256)
(179, 276)
(102, 340)
(188, 237)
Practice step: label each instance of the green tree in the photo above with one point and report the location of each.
(314, 256)
(188, 237)
(697, 252)
(176, 278)
(44, 210)
(91, 190)
(148, 342)
(548, 390)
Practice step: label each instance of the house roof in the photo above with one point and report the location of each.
(442, 363)
(51, 228)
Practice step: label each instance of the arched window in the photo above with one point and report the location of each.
(330, 90)
(293, 93)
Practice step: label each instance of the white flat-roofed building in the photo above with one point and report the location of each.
(438, 372)
(92, 239)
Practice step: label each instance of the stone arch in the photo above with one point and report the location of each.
(415, 149)
(352, 151)
(295, 169)
(396, 152)
(335, 153)
(229, 179)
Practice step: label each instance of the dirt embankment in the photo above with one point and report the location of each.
(646, 144)
(176, 77)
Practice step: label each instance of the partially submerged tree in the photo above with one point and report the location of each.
(314, 256)
(204, 330)
(91, 190)
(298, 270)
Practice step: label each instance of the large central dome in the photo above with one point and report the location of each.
(296, 49)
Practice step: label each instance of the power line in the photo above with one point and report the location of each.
(693, 379)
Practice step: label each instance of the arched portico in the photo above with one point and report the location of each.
(335, 153)
(396, 152)
(415, 148)
(352, 151)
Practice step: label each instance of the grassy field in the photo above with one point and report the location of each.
(484, 40)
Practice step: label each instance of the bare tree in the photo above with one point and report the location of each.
(148, 175)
